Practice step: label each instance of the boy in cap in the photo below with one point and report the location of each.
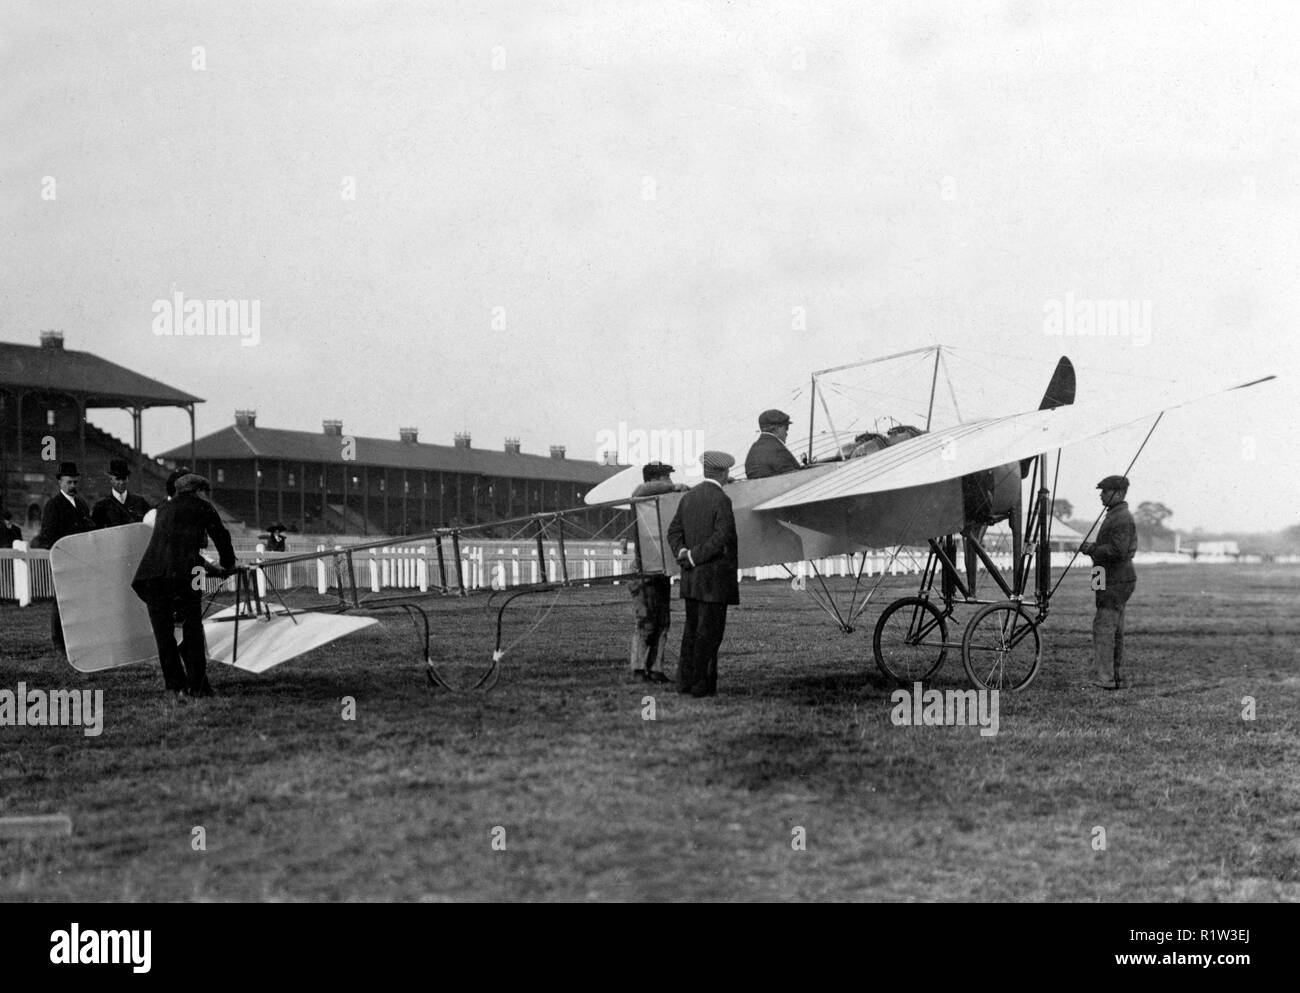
(170, 582)
(703, 539)
(652, 596)
(1113, 552)
(65, 513)
(768, 456)
(119, 507)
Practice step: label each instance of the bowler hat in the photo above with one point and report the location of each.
(68, 469)
(772, 419)
(1113, 483)
(118, 468)
(655, 469)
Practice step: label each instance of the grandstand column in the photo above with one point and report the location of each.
(20, 394)
(257, 493)
(137, 436)
(189, 407)
(302, 497)
(365, 499)
(81, 425)
(279, 490)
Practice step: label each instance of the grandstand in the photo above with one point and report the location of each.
(331, 483)
(45, 393)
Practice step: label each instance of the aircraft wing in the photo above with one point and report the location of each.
(105, 625)
(973, 447)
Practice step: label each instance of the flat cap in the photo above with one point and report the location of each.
(1113, 483)
(192, 483)
(773, 418)
(717, 461)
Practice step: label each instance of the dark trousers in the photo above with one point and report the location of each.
(193, 677)
(697, 668)
(1108, 631)
(652, 601)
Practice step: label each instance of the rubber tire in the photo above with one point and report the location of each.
(907, 678)
(1018, 680)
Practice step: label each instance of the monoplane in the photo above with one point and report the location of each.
(907, 488)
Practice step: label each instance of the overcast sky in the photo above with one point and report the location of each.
(541, 220)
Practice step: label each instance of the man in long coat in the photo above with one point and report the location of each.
(703, 539)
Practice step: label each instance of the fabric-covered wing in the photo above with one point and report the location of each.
(105, 624)
(266, 642)
(972, 447)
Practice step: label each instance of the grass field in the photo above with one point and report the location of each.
(597, 803)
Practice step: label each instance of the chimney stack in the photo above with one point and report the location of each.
(246, 418)
(52, 339)
(409, 435)
(333, 428)
(557, 451)
(462, 439)
(512, 446)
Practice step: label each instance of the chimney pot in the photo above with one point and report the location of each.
(334, 428)
(51, 339)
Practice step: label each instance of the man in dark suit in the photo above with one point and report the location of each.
(702, 536)
(768, 456)
(119, 507)
(170, 582)
(1113, 551)
(65, 513)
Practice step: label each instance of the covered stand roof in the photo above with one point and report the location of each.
(243, 442)
(97, 381)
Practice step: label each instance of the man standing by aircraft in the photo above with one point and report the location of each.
(768, 456)
(170, 582)
(703, 539)
(652, 596)
(1113, 552)
(119, 507)
(65, 513)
